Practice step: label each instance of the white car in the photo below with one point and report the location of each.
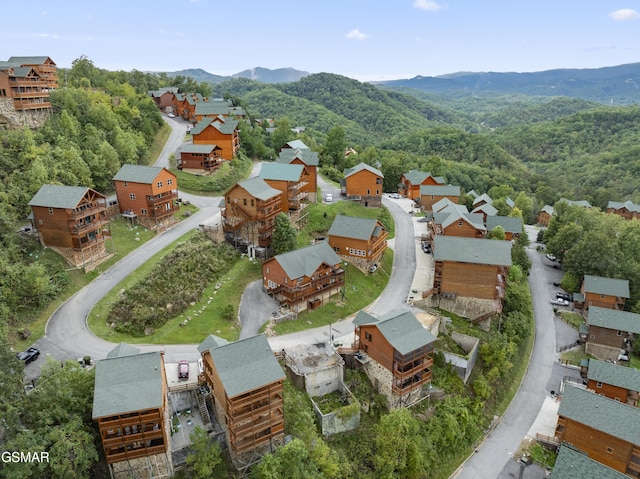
(328, 198)
(560, 302)
(550, 257)
(171, 115)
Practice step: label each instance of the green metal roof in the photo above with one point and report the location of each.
(601, 413)
(416, 177)
(486, 208)
(296, 145)
(210, 342)
(571, 464)
(308, 157)
(138, 174)
(548, 209)
(122, 350)
(364, 318)
(511, 224)
(352, 227)
(127, 384)
(472, 250)
(607, 286)
(443, 203)
(259, 188)
(403, 331)
(440, 190)
(226, 128)
(614, 319)
(212, 108)
(360, 167)
(29, 60)
(306, 261)
(609, 373)
(56, 196)
(201, 125)
(281, 171)
(616, 205)
(485, 197)
(246, 365)
(204, 149)
(583, 203)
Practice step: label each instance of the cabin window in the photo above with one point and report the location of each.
(378, 181)
(245, 201)
(144, 211)
(368, 336)
(40, 222)
(602, 296)
(459, 223)
(336, 249)
(253, 202)
(132, 196)
(159, 184)
(368, 192)
(126, 183)
(267, 269)
(619, 333)
(169, 181)
(50, 211)
(593, 336)
(599, 384)
(228, 200)
(377, 192)
(609, 450)
(433, 197)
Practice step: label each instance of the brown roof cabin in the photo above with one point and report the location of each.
(410, 183)
(604, 429)
(308, 158)
(452, 219)
(71, 220)
(363, 183)
(148, 193)
(131, 408)
(512, 225)
(627, 210)
(291, 180)
(430, 194)
(249, 212)
(544, 216)
(163, 97)
(470, 267)
(218, 131)
(604, 292)
(397, 354)
(361, 241)
(611, 332)
(616, 382)
(305, 278)
(205, 158)
(247, 385)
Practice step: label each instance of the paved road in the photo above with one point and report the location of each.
(499, 447)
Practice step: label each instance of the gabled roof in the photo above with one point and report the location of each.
(211, 342)
(122, 350)
(601, 413)
(473, 194)
(616, 205)
(203, 149)
(57, 196)
(138, 174)
(246, 365)
(440, 190)
(472, 250)
(37, 60)
(360, 167)
(352, 227)
(510, 202)
(444, 203)
(483, 197)
(416, 177)
(308, 157)
(510, 224)
(583, 203)
(296, 145)
(226, 128)
(281, 171)
(571, 464)
(212, 108)
(454, 212)
(127, 384)
(258, 188)
(547, 209)
(619, 376)
(364, 318)
(306, 261)
(613, 319)
(403, 331)
(607, 286)
(486, 208)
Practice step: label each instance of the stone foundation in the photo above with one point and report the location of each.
(362, 264)
(12, 119)
(469, 308)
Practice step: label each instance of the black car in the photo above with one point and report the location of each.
(565, 296)
(29, 355)
(426, 247)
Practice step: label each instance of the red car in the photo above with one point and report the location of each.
(183, 369)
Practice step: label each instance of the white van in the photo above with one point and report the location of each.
(328, 198)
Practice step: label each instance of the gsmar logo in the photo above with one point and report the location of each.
(19, 456)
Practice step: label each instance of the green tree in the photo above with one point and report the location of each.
(497, 233)
(398, 448)
(334, 147)
(284, 235)
(282, 134)
(205, 454)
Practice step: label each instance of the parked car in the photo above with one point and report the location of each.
(171, 115)
(560, 302)
(550, 257)
(183, 369)
(556, 283)
(565, 296)
(426, 247)
(28, 355)
(395, 196)
(328, 198)
(422, 219)
(373, 268)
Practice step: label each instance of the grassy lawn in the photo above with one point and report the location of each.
(572, 319)
(574, 356)
(204, 317)
(361, 290)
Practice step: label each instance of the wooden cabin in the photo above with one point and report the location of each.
(545, 215)
(626, 210)
(163, 98)
(470, 267)
(361, 241)
(148, 194)
(512, 225)
(603, 292)
(483, 199)
(486, 210)
(616, 382)
(304, 279)
(249, 212)
(310, 160)
(131, 409)
(604, 429)
(453, 219)
(71, 220)
(573, 464)
(211, 108)
(247, 385)
(28, 81)
(363, 183)
(291, 180)
(611, 332)
(410, 183)
(219, 131)
(430, 194)
(205, 158)
(397, 354)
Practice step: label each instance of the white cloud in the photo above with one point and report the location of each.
(624, 14)
(356, 34)
(428, 5)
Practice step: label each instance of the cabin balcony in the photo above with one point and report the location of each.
(403, 371)
(30, 93)
(31, 105)
(162, 198)
(264, 214)
(297, 186)
(162, 212)
(91, 225)
(80, 243)
(98, 209)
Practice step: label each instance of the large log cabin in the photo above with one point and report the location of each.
(291, 179)
(247, 385)
(361, 241)
(602, 428)
(430, 194)
(304, 279)
(572, 464)
(203, 158)
(221, 131)
(512, 225)
(363, 183)
(452, 219)
(602, 292)
(616, 382)
(308, 158)
(626, 210)
(611, 332)
(397, 354)
(410, 183)
(545, 215)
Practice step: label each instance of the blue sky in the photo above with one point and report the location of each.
(362, 39)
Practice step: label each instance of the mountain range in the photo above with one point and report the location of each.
(263, 75)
